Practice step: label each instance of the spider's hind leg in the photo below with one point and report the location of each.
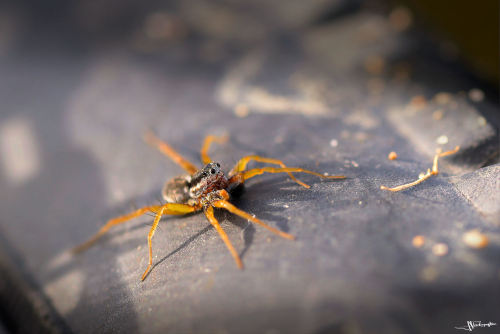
(113, 222)
(164, 148)
(166, 209)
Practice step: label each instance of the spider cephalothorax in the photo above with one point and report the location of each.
(204, 189)
(191, 189)
(208, 179)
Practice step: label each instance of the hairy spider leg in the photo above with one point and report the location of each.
(206, 145)
(153, 140)
(166, 209)
(428, 174)
(224, 204)
(112, 222)
(209, 213)
(241, 177)
(242, 164)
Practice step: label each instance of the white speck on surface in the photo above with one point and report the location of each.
(325, 174)
(440, 249)
(442, 140)
(476, 95)
(438, 114)
(19, 154)
(481, 121)
(286, 206)
(355, 164)
(475, 239)
(334, 143)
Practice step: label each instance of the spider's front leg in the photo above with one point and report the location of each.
(209, 213)
(242, 165)
(241, 177)
(221, 201)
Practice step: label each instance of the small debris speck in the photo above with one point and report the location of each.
(241, 110)
(400, 18)
(286, 206)
(418, 241)
(481, 121)
(392, 156)
(442, 98)
(438, 115)
(475, 239)
(418, 102)
(440, 249)
(476, 95)
(428, 274)
(355, 164)
(334, 143)
(374, 65)
(442, 140)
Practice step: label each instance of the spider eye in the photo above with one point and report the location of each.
(218, 164)
(212, 171)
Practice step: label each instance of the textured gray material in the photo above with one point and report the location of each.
(482, 189)
(78, 119)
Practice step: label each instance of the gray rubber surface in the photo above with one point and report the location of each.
(335, 97)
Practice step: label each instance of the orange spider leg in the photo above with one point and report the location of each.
(209, 212)
(243, 176)
(206, 145)
(152, 140)
(166, 209)
(428, 174)
(231, 208)
(242, 164)
(113, 222)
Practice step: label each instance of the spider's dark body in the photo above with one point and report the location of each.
(196, 188)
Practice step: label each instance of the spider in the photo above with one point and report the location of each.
(203, 189)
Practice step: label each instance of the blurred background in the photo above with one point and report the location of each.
(329, 85)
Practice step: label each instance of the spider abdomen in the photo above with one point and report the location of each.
(177, 190)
